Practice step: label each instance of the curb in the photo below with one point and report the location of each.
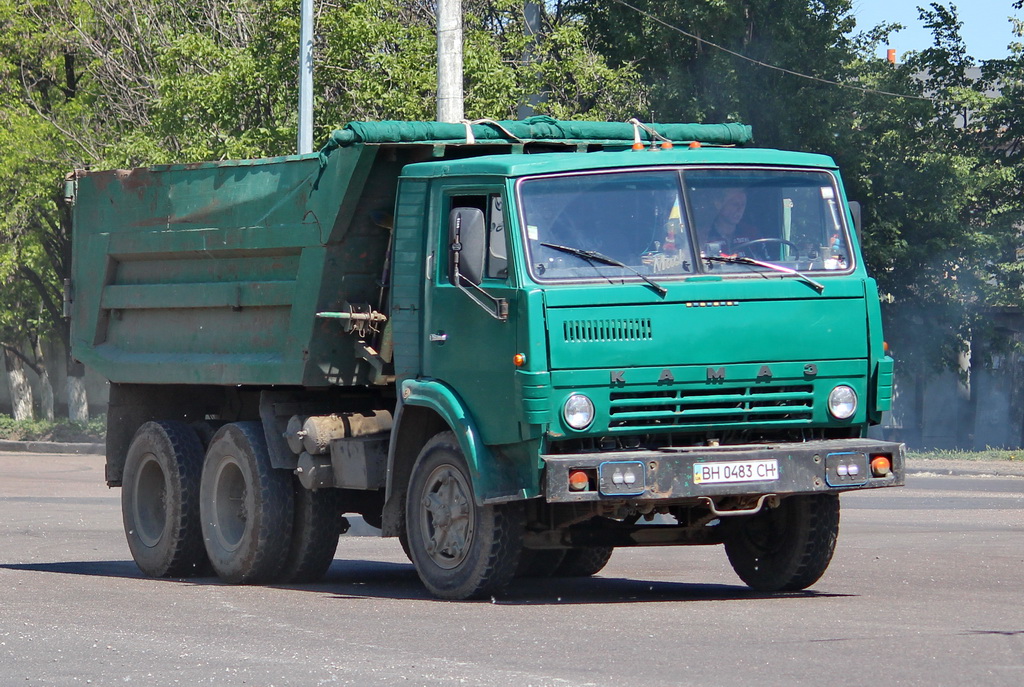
(964, 468)
(59, 447)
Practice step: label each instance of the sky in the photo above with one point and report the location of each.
(986, 30)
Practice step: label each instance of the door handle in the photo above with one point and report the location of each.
(441, 337)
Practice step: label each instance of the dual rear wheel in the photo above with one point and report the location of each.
(229, 511)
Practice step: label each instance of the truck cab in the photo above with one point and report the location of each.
(684, 333)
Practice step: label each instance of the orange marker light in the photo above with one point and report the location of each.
(578, 481)
(666, 145)
(519, 360)
(880, 466)
(638, 146)
(695, 144)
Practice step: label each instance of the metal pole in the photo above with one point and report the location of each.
(449, 61)
(531, 12)
(306, 79)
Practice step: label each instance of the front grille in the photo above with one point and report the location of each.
(718, 407)
(625, 329)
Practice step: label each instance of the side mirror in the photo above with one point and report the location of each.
(857, 222)
(467, 240)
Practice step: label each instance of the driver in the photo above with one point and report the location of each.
(728, 230)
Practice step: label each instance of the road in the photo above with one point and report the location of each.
(925, 589)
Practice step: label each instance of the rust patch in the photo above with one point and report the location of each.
(134, 179)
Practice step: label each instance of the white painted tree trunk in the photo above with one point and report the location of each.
(78, 403)
(46, 400)
(21, 390)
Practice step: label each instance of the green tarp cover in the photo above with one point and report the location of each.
(533, 129)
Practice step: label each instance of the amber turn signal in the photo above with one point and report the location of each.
(519, 360)
(578, 481)
(881, 466)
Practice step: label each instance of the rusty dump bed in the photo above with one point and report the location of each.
(213, 273)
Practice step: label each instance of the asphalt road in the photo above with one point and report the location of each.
(925, 589)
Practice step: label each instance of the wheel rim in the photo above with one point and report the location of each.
(149, 504)
(446, 524)
(230, 511)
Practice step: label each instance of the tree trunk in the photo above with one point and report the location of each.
(21, 390)
(46, 400)
(78, 403)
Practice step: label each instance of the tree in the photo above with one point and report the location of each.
(693, 80)
(101, 84)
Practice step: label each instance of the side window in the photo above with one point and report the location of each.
(497, 258)
(492, 205)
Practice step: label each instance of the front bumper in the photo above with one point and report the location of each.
(678, 475)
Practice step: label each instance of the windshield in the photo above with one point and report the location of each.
(788, 217)
(633, 218)
(659, 223)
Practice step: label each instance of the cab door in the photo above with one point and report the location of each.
(471, 308)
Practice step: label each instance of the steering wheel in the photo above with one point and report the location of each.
(760, 250)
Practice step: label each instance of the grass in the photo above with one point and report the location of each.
(989, 454)
(61, 430)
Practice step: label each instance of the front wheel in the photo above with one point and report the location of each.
(461, 550)
(787, 548)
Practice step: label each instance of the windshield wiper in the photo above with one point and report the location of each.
(816, 285)
(602, 258)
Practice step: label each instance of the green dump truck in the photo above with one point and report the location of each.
(515, 346)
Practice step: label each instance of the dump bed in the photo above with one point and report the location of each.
(214, 273)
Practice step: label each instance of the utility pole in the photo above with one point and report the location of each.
(531, 11)
(449, 61)
(306, 78)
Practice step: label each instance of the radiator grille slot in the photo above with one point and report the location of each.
(588, 331)
(736, 405)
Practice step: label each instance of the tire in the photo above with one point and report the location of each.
(539, 562)
(316, 527)
(787, 548)
(584, 561)
(160, 500)
(460, 550)
(246, 506)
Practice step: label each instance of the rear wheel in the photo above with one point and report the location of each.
(584, 561)
(315, 531)
(539, 562)
(460, 550)
(246, 506)
(160, 500)
(787, 548)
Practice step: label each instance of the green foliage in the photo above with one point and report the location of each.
(992, 454)
(106, 84)
(41, 430)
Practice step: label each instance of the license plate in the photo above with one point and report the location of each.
(736, 471)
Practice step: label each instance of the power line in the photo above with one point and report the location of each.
(759, 63)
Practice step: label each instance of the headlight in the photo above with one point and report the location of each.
(578, 411)
(842, 402)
